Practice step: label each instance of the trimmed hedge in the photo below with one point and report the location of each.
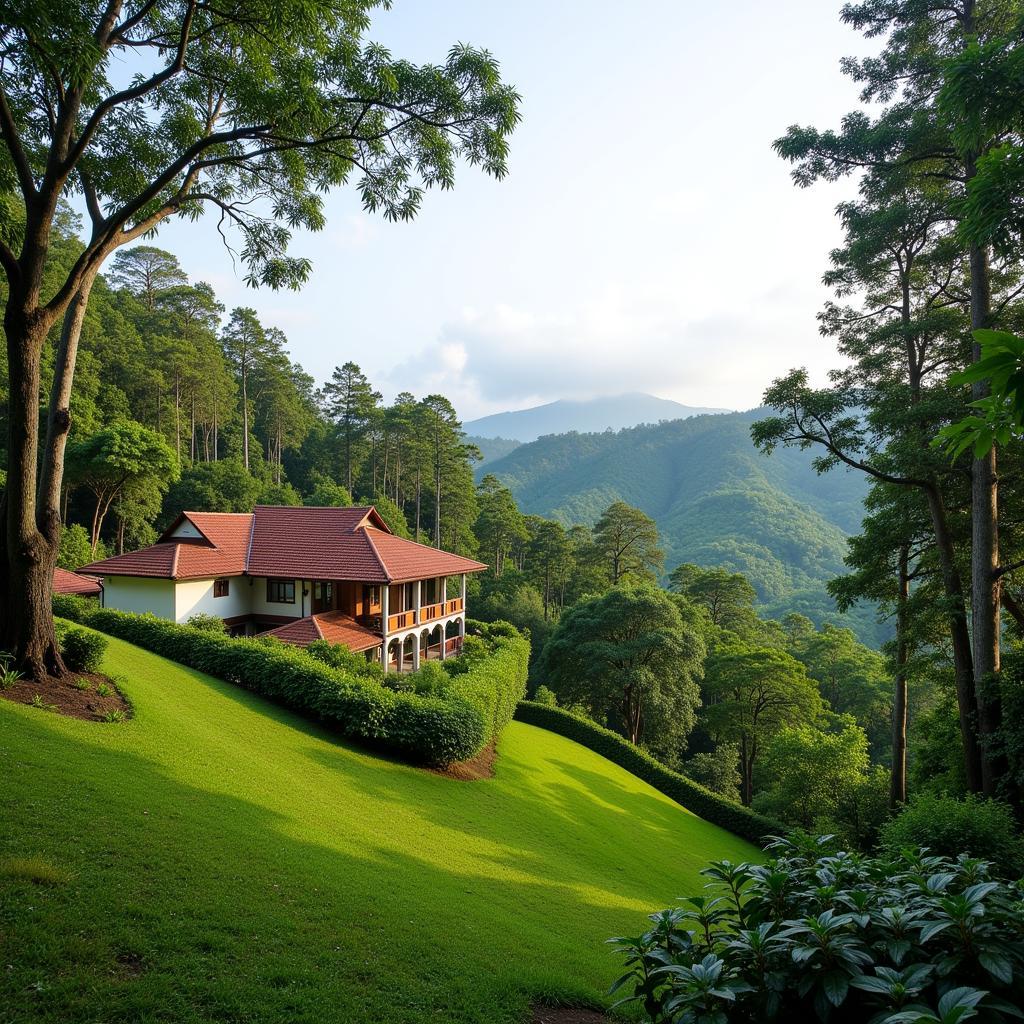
(689, 794)
(74, 607)
(432, 730)
(81, 649)
(497, 683)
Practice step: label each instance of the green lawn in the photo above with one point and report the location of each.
(229, 861)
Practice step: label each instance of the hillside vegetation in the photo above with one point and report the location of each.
(716, 500)
(217, 857)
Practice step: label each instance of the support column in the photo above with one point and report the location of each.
(418, 598)
(416, 651)
(384, 621)
(463, 593)
(444, 640)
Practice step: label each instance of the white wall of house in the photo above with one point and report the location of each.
(259, 605)
(139, 594)
(195, 597)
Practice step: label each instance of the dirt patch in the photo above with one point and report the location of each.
(565, 1015)
(78, 695)
(476, 768)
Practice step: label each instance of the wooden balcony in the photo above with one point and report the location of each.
(428, 613)
(403, 620)
(431, 611)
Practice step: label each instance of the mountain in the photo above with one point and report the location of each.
(595, 414)
(716, 500)
(492, 448)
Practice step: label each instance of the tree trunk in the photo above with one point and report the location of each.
(984, 552)
(245, 419)
(746, 773)
(898, 787)
(960, 639)
(31, 534)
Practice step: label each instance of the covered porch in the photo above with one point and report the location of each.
(409, 650)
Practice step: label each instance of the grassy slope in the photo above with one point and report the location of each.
(230, 861)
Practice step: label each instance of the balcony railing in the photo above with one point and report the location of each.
(401, 621)
(428, 613)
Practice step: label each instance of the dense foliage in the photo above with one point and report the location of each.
(445, 726)
(973, 827)
(715, 503)
(694, 797)
(820, 934)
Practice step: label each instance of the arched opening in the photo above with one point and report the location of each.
(453, 633)
(409, 653)
(394, 649)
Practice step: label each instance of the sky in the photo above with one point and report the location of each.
(646, 238)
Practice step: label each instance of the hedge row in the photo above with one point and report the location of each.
(497, 683)
(433, 730)
(705, 804)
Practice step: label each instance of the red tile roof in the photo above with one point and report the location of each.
(405, 560)
(66, 582)
(302, 542)
(335, 627)
(314, 543)
(220, 551)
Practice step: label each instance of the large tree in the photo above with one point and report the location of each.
(152, 109)
(626, 543)
(753, 693)
(630, 659)
(120, 463)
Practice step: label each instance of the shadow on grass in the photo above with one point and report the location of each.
(190, 905)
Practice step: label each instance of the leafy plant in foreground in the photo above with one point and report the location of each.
(9, 675)
(817, 933)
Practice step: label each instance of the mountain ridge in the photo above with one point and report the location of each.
(590, 415)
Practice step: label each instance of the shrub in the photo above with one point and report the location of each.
(717, 770)
(81, 649)
(431, 678)
(434, 730)
(73, 607)
(103, 690)
(544, 696)
(816, 934)
(82, 684)
(338, 656)
(710, 806)
(207, 623)
(948, 827)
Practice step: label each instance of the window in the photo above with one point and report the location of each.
(220, 588)
(281, 591)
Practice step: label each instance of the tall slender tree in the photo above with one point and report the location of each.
(351, 402)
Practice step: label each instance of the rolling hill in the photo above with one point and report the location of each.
(717, 501)
(219, 858)
(613, 412)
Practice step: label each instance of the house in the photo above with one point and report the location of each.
(300, 574)
(67, 582)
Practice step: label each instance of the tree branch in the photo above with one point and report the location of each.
(21, 164)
